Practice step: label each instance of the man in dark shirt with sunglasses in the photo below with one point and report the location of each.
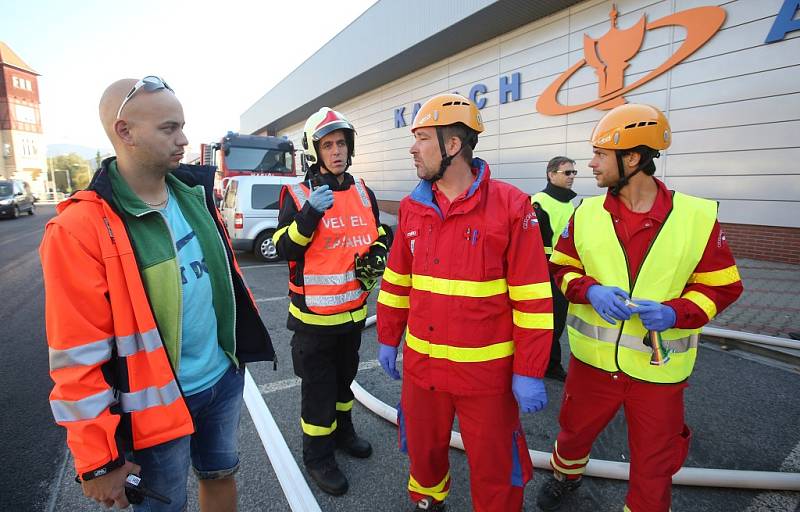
(554, 207)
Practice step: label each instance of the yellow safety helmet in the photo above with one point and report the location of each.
(447, 109)
(631, 125)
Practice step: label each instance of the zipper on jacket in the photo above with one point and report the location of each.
(108, 227)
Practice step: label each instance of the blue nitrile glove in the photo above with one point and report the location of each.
(387, 356)
(609, 302)
(321, 198)
(654, 315)
(529, 392)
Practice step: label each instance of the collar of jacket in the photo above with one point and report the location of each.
(189, 175)
(561, 194)
(330, 180)
(423, 193)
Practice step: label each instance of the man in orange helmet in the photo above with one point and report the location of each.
(644, 268)
(467, 282)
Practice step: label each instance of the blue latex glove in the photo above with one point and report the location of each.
(609, 302)
(388, 358)
(654, 315)
(321, 198)
(529, 392)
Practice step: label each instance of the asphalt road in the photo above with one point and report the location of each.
(743, 411)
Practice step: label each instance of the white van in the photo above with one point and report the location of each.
(250, 211)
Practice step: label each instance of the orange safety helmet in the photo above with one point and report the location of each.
(447, 109)
(631, 125)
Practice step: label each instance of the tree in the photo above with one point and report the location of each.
(77, 169)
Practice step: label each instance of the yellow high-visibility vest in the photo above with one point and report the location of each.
(558, 212)
(667, 267)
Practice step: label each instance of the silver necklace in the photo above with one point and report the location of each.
(158, 204)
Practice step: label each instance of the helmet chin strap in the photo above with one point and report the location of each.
(446, 159)
(624, 180)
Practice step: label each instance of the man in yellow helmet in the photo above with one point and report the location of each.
(328, 231)
(644, 268)
(467, 283)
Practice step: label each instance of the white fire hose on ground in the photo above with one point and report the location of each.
(620, 470)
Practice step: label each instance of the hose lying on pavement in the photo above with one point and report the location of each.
(618, 470)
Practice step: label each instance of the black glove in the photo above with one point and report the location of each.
(369, 268)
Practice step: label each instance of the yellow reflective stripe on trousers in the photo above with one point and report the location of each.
(559, 258)
(532, 320)
(392, 300)
(296, 236)
(703, 302)
(390, 276)
(569, 462)
(436, 492)
(337, 319)
(530, 291)
(568, 278)
(460, 354)
(722, 277)
(316, 431)
(344, 406)
(459, 288)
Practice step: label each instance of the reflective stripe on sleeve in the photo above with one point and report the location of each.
(150, 397)
(85, 409)
(296, 236)
(568, 278)
(459, 288)
(278, 234)
(530, 291)
(390, 276)
(722, 277)
(559, 258)
(344, 406)
(460, 354)
(96, 352)
(392, 300)
(703, 302)
(533, 320)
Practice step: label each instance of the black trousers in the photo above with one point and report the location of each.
(560, 306)
(327, 366)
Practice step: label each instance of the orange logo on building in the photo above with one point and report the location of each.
(610, 54)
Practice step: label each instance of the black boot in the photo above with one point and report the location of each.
(430, 505)
(329, 478)
(355, 446)
(554, 491)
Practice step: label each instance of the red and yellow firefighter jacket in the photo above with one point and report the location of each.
(115, 389)
(470, 289)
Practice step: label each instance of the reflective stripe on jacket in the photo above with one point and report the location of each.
(558, 212)
(666, 269)
(470, 290)
(346, 229)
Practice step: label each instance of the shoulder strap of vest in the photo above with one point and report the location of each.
(299, 194)
(362, 192)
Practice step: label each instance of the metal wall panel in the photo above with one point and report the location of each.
(734, 106)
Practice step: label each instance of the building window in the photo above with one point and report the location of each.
(25, 114)
(22, 83)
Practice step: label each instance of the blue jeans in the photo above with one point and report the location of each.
(213, 448)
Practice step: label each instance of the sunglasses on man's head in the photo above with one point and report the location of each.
(568, 172)
(149, 83)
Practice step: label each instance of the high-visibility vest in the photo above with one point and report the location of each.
(667, 267)
(347, 228)
(558, 212)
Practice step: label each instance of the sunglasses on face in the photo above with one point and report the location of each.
(149, 83)
(569, 172)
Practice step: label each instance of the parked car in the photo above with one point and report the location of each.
(16, 198)
(249, 209)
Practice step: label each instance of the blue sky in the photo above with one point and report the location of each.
(220, 57)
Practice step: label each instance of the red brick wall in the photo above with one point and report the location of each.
(747, 241)
(764, 242)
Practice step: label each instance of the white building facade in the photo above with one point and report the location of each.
(543, 73)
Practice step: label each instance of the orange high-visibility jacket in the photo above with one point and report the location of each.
(115, 389)
(346, 229)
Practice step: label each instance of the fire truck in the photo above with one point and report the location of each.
(237, 155)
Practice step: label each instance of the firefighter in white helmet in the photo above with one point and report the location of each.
(330, 234)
